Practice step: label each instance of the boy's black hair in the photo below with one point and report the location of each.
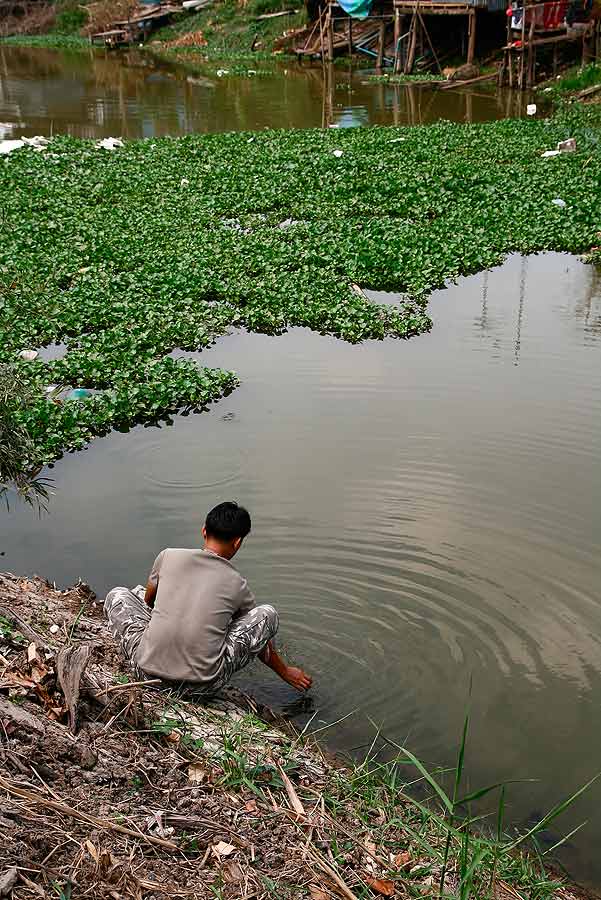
(228, 521)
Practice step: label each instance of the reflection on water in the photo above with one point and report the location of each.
(96, 94)
(424, 511)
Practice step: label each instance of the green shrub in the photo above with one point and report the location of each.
(70, 18)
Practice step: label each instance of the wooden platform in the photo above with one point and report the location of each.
(135, 29)
(431, 8)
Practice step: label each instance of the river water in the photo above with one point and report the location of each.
(425, 512)
(97, 94)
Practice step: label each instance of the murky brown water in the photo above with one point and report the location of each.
(95, 94)
(424, 512)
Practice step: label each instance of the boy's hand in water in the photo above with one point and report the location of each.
(297, 678)
(290, 674)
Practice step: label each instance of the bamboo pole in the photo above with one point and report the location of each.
(397, 42)
(330, 35)
(412, 42)
(381, 39)
(531, 53)
(522, 54)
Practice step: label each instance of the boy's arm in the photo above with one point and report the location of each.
(153, 580)
(151, 592)
(290, 674)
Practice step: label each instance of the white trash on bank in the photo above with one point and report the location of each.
(37, 143)
(568, 146)
(559, 202)
(337, 153)
(8, 146)
(531, 109)
(28, 355)
(109, 143)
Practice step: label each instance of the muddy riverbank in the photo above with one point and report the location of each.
(110, 788)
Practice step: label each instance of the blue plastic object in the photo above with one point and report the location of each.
(79, 394)
(357, 9)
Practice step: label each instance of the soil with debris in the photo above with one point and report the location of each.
(110, 788)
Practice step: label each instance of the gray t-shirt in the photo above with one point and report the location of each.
(199, 594)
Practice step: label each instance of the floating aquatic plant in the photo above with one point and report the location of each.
(124, 255)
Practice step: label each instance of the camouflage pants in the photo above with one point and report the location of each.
(129, 615)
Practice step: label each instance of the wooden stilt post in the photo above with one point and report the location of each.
(471, 36)
(397, 42)
(350, 36)
(381, 39)
(412, 42)
(330, 36)
(531, 53)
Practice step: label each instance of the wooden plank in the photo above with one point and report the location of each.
(455, 84)
(276, 15)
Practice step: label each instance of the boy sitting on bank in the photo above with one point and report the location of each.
(197, 623)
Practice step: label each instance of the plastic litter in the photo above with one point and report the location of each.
(568, 146)
(337, 153)
(549, 153)
(8, 146)
(184, 182)
(29, 355)
(79, 394)
(221, 72)
(110, 143)
(531, 109)
(38, 142)
(54, 629)
(559, 202)
(53, 392)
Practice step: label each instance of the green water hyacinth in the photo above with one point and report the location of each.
(125, 255)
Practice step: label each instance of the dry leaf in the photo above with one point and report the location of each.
(317, 893)
(250, 806)
(222, 849)
(368, 861)
(32, 652)
(232, 872)
(402, 859)
(380, 818)
(173, 737)
(197, 773)
(293, 797)
(381, 886)
(92, 850)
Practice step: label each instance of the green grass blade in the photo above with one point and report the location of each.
(566, 838)
(552, 814)
(461, 758)
(482, 792)
(448, 803)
